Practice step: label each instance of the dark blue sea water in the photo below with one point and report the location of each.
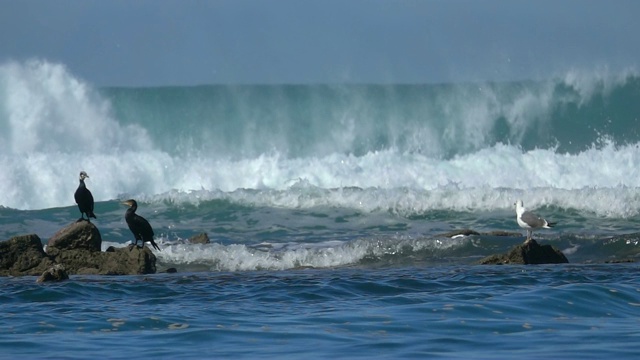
(328, 208)
(463, 312)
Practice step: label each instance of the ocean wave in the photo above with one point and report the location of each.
(283, 256)
(379, 251)
(569, 142)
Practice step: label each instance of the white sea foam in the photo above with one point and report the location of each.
(54, 125)
(237, 257)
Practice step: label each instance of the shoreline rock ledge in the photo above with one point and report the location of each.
(77, 247)
(528, 253)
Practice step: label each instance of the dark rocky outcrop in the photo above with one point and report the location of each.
(469, 232)
(528, 253)
(201, 238)
(621, 261)
(77, 248)
(23, 255)
(503, 233)
(120, 261)
(463, 232)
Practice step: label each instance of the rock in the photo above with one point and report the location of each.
(621, 261)
(464, 232)
(201, 238)
(55, 273)
(171, 270)
(23, 255)
(470, 232)
(120, 261)
(76, 248)
(78, 245)
(79, 235)
(528, 253)
(128, 261)
(503, 233)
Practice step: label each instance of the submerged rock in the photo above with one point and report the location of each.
(462, 232)
(55, 273)
(470, 232)
(528, 253)
(201, 238)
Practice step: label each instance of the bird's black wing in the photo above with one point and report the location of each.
(90, 200)
(143, 227)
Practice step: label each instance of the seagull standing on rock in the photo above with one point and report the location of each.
(528, 220)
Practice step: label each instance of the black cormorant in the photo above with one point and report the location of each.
(84, 199)
(138, 225)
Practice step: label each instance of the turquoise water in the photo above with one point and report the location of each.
(327, 207)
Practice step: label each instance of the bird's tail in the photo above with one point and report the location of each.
(550, 224)
(153, 243)
(91, 214)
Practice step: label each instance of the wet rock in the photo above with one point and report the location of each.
(23, 255)
(470, 232)
(463, 232)
(120, 261)
(79, 235)
(528, 253)
(77, 249)
(55, 273)
(201, 238)
(77, 246)
(503, 233)
(620, 261)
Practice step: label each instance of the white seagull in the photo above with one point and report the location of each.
(528, 220)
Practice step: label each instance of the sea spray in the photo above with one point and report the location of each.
(409, 148)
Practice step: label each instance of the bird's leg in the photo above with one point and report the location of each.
(529, 234)
(132, 245)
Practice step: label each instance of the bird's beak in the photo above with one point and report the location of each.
(126, 203)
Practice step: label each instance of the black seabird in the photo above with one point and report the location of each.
(138, 225)
(84, 199)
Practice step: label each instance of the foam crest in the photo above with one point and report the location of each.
(403, 148)
(55, 126)
(238, 257)
(48, 110)
(601, 81)
(500, 166)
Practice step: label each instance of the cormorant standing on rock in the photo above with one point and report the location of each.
(138, 225)
(84, 199)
